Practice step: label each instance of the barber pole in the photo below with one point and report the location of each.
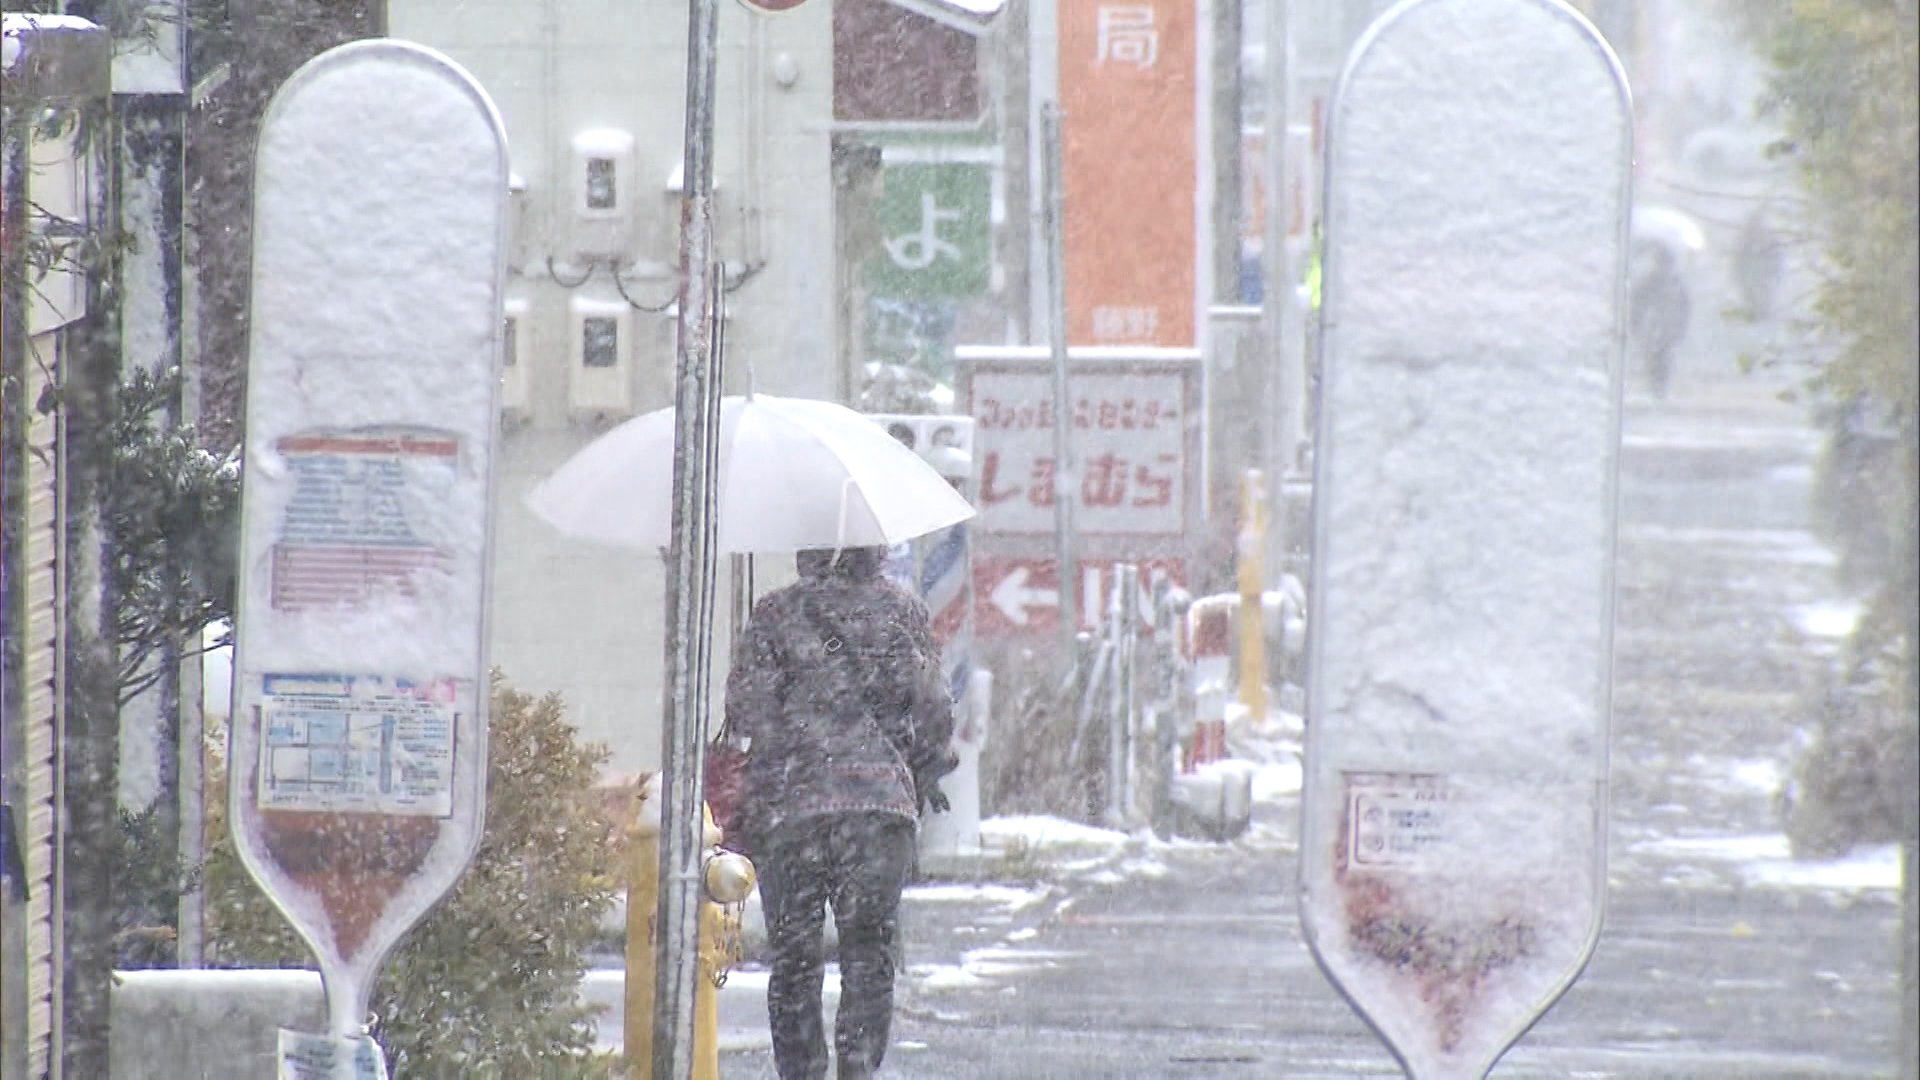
(946, 583)
(1210, 634)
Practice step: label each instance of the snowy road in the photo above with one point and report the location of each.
(1721, 957)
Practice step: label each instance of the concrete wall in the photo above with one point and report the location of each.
(210, 1025)
(582, 620)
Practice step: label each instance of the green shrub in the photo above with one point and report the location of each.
(487, 984)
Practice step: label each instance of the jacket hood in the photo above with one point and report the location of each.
(855, 562)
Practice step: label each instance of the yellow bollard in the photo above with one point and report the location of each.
(1253, 647)
(643, 892)
(728, 879)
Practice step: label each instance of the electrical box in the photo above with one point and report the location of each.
(603, 193)
(516, 385)
(519, 227)
(600, 359)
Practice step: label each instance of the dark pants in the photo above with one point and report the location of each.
(858, 862)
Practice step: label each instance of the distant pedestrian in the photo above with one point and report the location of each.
(1758, 263)
(837, 685)
(1659, 310)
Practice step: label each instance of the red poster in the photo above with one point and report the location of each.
(1129, 88)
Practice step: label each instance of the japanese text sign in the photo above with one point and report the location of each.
(1134, 431)
(1022, 595)
(935, 236)
(1131, 136)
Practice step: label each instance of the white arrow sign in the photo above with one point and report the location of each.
(1013, 597)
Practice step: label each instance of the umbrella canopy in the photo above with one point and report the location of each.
(1668, 226)
(794, 473)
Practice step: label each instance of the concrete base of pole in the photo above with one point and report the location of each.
(222, 1025)
(1214, 802)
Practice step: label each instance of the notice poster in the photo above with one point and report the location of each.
(358, 523)
(307, 1056)
(359, 744)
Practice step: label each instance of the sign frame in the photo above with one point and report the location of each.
(995, 550)
(973, 362)
(1459, 649)
(367, 505)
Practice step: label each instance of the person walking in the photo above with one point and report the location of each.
(1659, 309)
(836, 686)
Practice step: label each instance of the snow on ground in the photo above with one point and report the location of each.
(1276, 781)
(1040, 835)
(1762, 775)
(1833, 619)
(983, 967)
(1766, 860)
(1794, 547)
(1274, 747)
(1012, 897)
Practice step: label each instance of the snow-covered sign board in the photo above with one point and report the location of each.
(360, 694)
(1135, 420)
(1135, 427)
(1460, 633)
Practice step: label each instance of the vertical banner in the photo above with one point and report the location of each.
(1130, 84)
(1460, 633)
(360, 671)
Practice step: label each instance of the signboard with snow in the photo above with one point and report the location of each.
(1460, 630)
(1022, 595)
(1136, 436)
(360, 687)
(1136, 427)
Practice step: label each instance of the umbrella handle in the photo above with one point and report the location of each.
(840, 527)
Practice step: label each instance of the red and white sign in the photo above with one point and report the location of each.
(1022, 596)
(1134, 430)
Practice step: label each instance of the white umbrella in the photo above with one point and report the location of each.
(794, 473)
(1668, 226)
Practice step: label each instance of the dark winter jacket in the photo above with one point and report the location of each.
(836, 683)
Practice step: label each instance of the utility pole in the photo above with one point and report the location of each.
(1227, 179)
(89, 780)
(1015, 88)
(1285, 372)
(690, 573)
(1066, 477)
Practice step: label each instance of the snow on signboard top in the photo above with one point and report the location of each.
(375, 315)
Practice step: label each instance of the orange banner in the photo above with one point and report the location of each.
(1128, 88)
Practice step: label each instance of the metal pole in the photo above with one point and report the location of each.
(689, 583)
(1287, 381)
(1227, 17)
(1126, 608)
(1065, 474)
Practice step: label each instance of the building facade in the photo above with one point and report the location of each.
(592, 95)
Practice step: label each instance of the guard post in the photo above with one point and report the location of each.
(727, 880)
